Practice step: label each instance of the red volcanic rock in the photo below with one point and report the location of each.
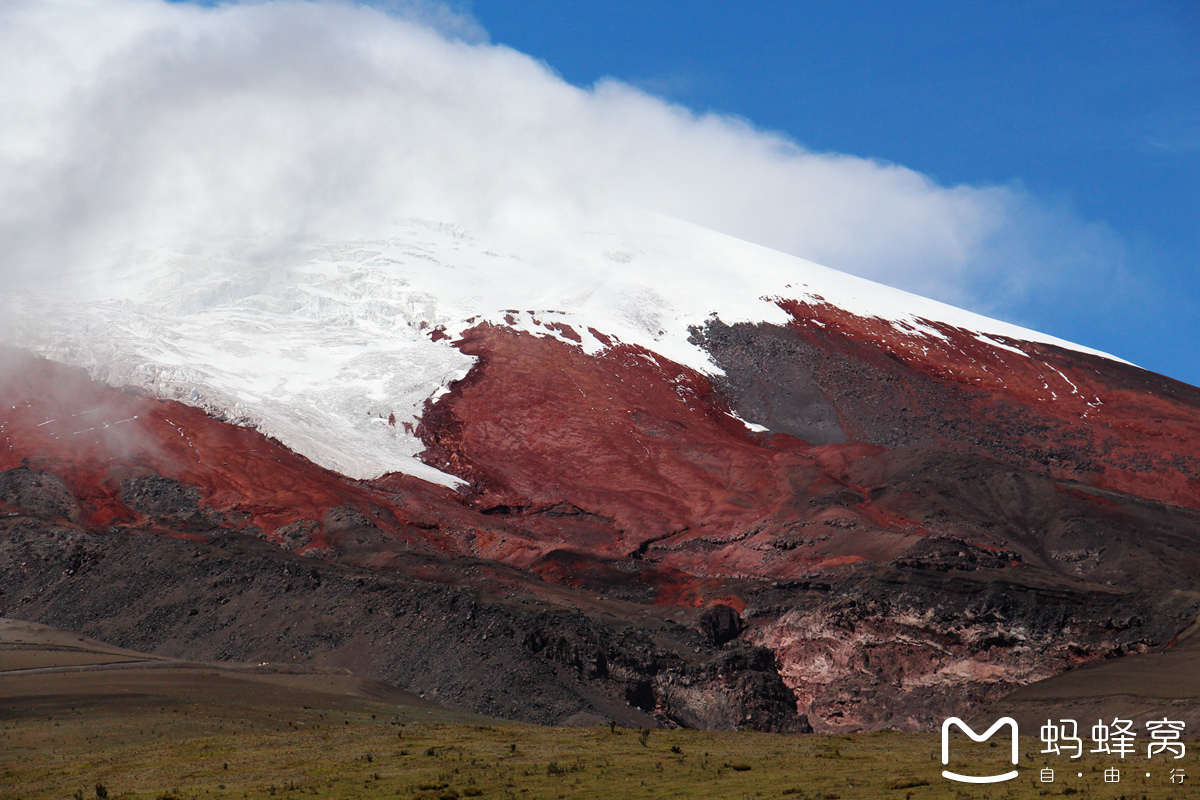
(1062, 412)
(632, 439)
(942, 455)
(626, 454)
(101, 442)
(159, 465)
(931, 519)
(87, 470)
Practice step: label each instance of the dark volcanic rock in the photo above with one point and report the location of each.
(947, 553)
(787, 396)
(720, 623)
(168, 503)
(1057, 412)
(345, 519)
(40, 494)
(713, 695)
(239, 598)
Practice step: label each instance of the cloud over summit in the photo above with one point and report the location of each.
(132, 120)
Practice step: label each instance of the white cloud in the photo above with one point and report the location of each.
(132, 120)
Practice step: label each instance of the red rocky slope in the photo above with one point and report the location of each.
(631, 456)
(98, 487)
(930, 520)
(1023, 464)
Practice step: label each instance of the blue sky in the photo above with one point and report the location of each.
(1092, 106)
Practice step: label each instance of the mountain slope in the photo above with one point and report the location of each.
(913, 508)
(334, 348)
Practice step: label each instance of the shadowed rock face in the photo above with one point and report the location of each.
(230, 597)
(774, 377)
(928, 523)
(167, 503)
(1060, 413)
(42, 494)
(720, 623)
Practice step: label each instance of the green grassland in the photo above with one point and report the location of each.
(161, 750)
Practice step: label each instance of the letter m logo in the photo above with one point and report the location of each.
(965, 728)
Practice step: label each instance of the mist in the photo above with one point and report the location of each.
(130, 121)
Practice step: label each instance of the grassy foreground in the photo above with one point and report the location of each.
(163, 752)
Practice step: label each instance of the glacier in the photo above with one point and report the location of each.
(334, 349)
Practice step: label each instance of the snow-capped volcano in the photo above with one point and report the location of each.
(335, 348)
(510, 433)
(833, 473)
